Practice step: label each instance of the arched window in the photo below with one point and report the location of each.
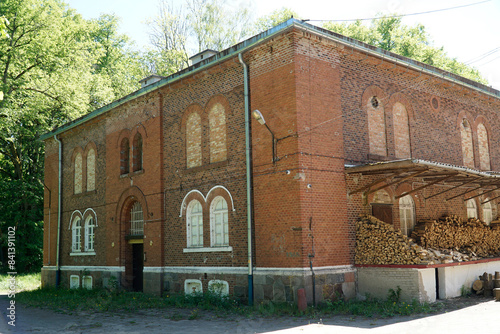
(467, 148)
(136, 220)
(124, 156)
(91, 170)
(193, 141)
(217, 124)
(76, 234)
(401, 131)
(484, 150)
(376, 126)
(78, 173)
(194, 218)
(407, 214)
(137, 150)
(89, 234)
(471, 208)
(487, 213)
(219, 225)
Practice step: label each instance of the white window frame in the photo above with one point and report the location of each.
(471, 208)
(188, 286)
(89, 234)
(219, 217)
(72, 280)
(85, 282)
(407, 214)
(136, 219)
(76, 235)
(487, 213)
(197, 218)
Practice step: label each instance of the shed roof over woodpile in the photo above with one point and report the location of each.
(397, 171)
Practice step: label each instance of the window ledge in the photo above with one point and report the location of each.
(208, 249)
(82, 253)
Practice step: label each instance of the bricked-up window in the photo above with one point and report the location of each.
(193, 141)
(407, 214)
(89, 234)
(194, 218)
(137, 150)
(471, 208)
(219, 224)
(124, 156)
(136, 220)
(487, 213)
(467, 148)
(401, 131)
(76, 234)
(484, 150)
(217, 124)
(376, 127)
(78, 173)
(91, 170)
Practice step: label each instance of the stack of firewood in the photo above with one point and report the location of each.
(378, 243)
(447, 240)
(471, 237)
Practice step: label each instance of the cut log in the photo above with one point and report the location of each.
(477, 285)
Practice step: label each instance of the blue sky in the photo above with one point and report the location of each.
(465, 33)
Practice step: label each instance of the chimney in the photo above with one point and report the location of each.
(150, 80)
(201, 56)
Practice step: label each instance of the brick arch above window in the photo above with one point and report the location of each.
(126, 201)
(206, 200)
(373, 103)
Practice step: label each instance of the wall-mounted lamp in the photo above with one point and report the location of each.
(257, 115)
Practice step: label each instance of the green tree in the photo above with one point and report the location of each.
(54, 66)
(198, 25)
(414, 42)
(278, 16)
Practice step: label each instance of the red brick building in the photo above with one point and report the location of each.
(176, 187)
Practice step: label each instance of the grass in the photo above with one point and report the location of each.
(68, 301)
(24, 282)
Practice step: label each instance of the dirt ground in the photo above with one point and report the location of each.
(34, 320)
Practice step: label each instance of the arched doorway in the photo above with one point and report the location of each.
(133, 246)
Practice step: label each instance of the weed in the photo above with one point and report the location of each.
(465, 292)
(194, 314)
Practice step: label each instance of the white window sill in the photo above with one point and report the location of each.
(208, 249)
(82, 253)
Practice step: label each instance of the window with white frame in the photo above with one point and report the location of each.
(76, 233)
(487, 213)
(219, 222)
(471, 208)
(89, 234)
(136, 219)
(74, 282)
(194, 218)
(407, 214)
(87, 282)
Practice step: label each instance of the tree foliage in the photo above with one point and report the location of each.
(276, 17)
(414, 42)
(54, 66)
(197, 25)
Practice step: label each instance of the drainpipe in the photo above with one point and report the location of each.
(59, 214)
(50, 208)
(248, 177)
